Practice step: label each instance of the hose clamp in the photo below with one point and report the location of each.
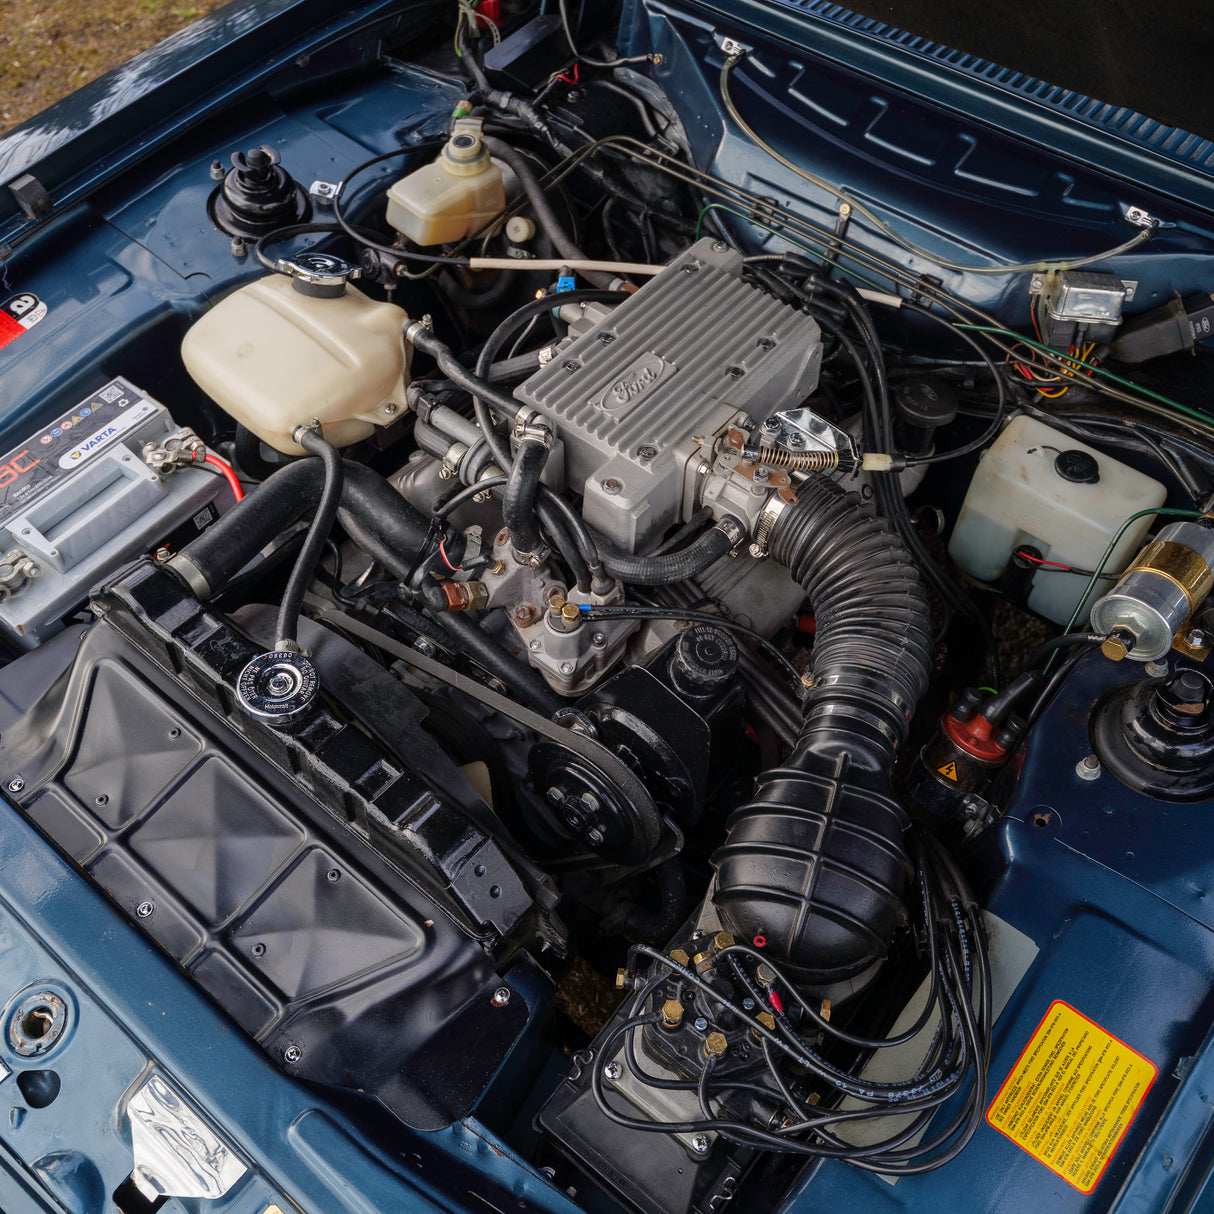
(831, 711)
(765, 524)
(878, 688)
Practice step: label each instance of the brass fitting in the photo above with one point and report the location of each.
(678, 955)
(721, 941)
(715, 1045)
(672, 1013)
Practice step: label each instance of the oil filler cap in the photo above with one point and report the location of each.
(1078, 467)
(278, 687)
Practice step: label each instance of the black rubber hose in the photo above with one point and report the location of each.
(249, 457)
(815, 863)
(304, 569)
(514, 368)
(674, 566)
(483, 392)
(465, 636)
(522, 488)
(502, 334)
(544, 213)
(207, 563)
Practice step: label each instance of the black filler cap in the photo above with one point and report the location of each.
(1078, 467)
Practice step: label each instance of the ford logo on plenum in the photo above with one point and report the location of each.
(626, 391)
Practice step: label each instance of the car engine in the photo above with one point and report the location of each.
(582, 623)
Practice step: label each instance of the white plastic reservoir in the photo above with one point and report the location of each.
(273, 358)
(1039, 487)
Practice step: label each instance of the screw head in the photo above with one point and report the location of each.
(536, 645)
(699, 1144)
(594, 836)
(599, 640)
(648, 451)
(612, 1071)
(424, 646)
(144, 909)
(16, 784)
(761, 475)
(567, 668)
(736, 372)
(700, 1024)
(613, 486)
(292, 1054)
(501, 996)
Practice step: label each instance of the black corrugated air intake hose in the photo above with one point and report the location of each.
(815, 862)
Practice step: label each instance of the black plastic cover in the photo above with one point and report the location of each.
(342, 936)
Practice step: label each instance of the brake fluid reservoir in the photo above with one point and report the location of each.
(451, 197)
(285, 349)
(1038, 487)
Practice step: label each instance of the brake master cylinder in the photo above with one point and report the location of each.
(299, 345)
(453, 196)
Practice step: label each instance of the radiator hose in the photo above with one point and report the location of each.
(814, 864)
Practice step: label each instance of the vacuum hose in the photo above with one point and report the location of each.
(815, 862)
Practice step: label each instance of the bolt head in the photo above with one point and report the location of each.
(501, 996)
(612, 1071)
(218, 172)
(594, 836)
(1197, 638)
(144, 910)
(1156, 669)
(1088, 768)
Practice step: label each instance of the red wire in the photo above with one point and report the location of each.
(229, 475)
(1039, 560)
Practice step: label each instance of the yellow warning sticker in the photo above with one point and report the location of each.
(949, 770)
(1071, 1096)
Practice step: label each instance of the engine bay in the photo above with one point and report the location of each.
(563, 603)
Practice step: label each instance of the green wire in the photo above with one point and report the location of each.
(1108, 552)
(1117, 379)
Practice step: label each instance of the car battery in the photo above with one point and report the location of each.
(79, 497)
